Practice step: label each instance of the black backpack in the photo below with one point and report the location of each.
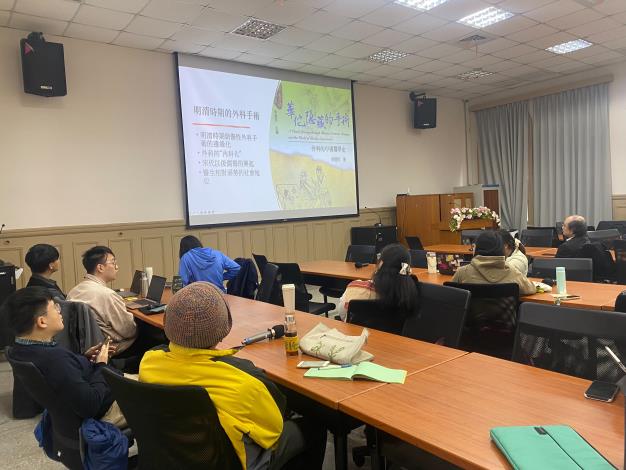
(247, 280)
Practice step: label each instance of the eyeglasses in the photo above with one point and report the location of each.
(57, 307)
(113, 262)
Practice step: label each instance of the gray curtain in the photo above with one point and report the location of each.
(571, 156)
(503, 158)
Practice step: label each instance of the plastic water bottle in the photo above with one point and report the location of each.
(143, 292)
(561, 287)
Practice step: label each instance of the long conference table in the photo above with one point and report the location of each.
(449, 401)
(592, 296)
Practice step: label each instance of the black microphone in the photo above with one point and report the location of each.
(275, 332)
(380, 221)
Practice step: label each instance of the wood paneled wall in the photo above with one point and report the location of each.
(619, 207)
(156, 244)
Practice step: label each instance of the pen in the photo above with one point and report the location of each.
(335, 366)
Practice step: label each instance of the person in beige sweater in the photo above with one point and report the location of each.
(489, 266)
(111, 314)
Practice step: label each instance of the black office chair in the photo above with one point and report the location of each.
(260, 261)
(576, 269)
(65, 422)
(371, 314)
(418, 258)
(354, 254)
(570, 340)
(620, 302)
(468, 237)
(602, 260)
(269, 288)
(289, 273)
(175, 427)
(538, 236)
(414, 243)
(606, 237)
(609, 224)
(491, 320)
(441, 315)
(620, 261)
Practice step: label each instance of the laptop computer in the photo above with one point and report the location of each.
(155, 292)
(135, 287)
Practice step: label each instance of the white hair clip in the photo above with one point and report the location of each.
(405, 269)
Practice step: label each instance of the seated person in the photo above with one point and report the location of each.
(575, 234)
(515, 252)
(111, 314)
(43, 261)
(204, 264)
(249, 406)
(392, 283)
(488, 265)
(36, 319)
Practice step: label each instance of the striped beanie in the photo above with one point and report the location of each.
(197, 316)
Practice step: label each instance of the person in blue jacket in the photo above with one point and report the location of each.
(204, 264)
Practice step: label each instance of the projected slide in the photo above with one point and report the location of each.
(261, 149)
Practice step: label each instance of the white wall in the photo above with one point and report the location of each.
(393, 157)
(109, 151)
(617, 118)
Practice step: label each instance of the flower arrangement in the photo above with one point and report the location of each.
(458, 215)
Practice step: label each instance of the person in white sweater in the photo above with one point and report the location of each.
(515, 252)
(111, 314)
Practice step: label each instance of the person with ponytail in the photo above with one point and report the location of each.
(392, 284)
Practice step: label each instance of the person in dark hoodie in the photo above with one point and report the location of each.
(489, 266)
(204, 264)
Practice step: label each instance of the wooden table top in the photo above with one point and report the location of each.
(337, 269)
(532, 251)
(449, 409)
(251, 317)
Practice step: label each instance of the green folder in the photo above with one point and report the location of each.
(364, 370)
(549, 447)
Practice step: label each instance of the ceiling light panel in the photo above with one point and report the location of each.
(386, 55)
(474, 74)
(421, 5)
(259, 29)
(569, 46)
(486, 17)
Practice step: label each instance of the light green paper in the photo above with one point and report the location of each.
(365, 370)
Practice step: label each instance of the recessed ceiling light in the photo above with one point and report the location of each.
(486, 17)
(386, 55)
(570, 46)
(258, 29)
(421, 5)
(473, 74)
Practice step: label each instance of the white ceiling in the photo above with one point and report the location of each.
(334, 37)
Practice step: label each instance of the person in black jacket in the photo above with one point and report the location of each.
(43, 261)
(36, 319)
(575, 233)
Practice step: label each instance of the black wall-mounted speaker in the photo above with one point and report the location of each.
(43, 66)
(425, 113)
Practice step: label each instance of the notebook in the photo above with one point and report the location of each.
(554, 447)
(135, 287)
(155, 292)
(364, 370)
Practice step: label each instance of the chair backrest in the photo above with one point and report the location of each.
(370, 314)
(603, 263)
(576, 269)
(608, 224)
(65, 422)
(269, 290)
(570, 340)
(414, 243)
(606, 237)
(537, 236)
(361, 253)
(620, 261)
(260, 261)
(175, 427)
(289, 273)
(469, 237)
(620, 302)
(418, 258)
(246, 282)
(441, 315)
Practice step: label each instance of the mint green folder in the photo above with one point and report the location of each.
(549, 447)
(364, 370)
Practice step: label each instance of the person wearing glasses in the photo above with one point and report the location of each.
(36, 319)
(115, 321)
(575, 234)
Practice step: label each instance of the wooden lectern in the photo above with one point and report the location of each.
(428, 217)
